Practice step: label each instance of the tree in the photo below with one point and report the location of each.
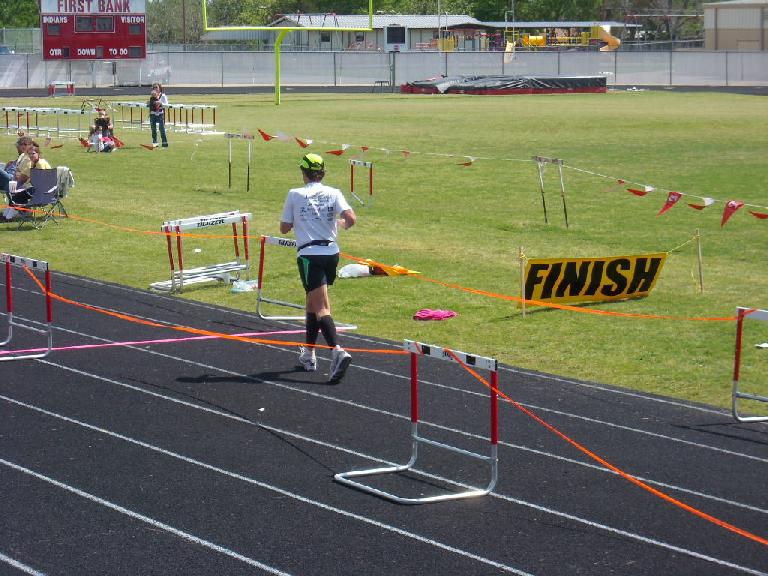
(19, 14)
(660, 19)
(174, 21)
(552, 10)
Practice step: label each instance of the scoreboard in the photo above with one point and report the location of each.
(93, 29)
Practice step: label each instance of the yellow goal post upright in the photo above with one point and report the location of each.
(282, 31)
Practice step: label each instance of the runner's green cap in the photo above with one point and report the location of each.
(313, 162)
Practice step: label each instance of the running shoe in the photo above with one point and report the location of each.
(307, 359)
(340, 361)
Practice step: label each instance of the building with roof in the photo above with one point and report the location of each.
(408, 32)
(412, 31)
(736, 25)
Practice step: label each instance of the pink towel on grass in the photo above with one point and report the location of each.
(429, 314)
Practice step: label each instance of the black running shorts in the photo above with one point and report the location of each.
(317, 270)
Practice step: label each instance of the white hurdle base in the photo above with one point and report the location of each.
(743, 314)
(417, 349)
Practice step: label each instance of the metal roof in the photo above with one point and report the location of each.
(557, 24)
(739, 3)
(379, 20)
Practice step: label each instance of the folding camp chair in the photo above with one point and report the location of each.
(65, 180)
(45, 198)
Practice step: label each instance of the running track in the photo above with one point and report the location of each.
(211, 456)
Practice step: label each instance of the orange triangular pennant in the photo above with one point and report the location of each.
(267, 137)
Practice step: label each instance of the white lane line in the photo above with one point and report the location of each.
(19, 566)
(543, 376)
(534, 407)
(146, 519)
(428, 383)
(523, 503)
(385, 413)
(389, 414)
(249, 480)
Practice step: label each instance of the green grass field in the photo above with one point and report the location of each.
(464, 225)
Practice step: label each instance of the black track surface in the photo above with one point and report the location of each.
(217, 457)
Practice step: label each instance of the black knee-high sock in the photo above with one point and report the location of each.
(328, 328)
(313, 328)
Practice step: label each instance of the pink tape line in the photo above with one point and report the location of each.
(144, 342)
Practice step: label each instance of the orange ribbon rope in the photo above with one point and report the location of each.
(609, 466)
(516, 404)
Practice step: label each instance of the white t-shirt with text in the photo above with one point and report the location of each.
(313, 211)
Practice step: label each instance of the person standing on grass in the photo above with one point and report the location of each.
(314, 212)
(157, 103)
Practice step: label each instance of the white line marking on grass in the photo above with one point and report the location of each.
(18, 565)
(523, 503)
(236, 476)
(146, 519)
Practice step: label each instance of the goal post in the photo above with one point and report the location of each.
(283, 30)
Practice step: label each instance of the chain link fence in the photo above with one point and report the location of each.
(246, 68)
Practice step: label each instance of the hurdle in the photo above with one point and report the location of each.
(541, 163)
(362, 164)
(273, 241)
(260, 298)
(249, 137)
(221, 272)
(417, 349)
(27, 119)
(178, 117)
(736, 394)
(41, 265)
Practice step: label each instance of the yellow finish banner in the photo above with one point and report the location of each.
(592, 279)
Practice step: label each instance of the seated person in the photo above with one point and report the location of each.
(106, 124)
(8, 172)
(98, 142)
(23, 173)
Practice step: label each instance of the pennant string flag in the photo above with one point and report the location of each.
(616, 183)
(264, 135)
(643, 192)
(706, 202)
(672, 199)
(730, 207)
